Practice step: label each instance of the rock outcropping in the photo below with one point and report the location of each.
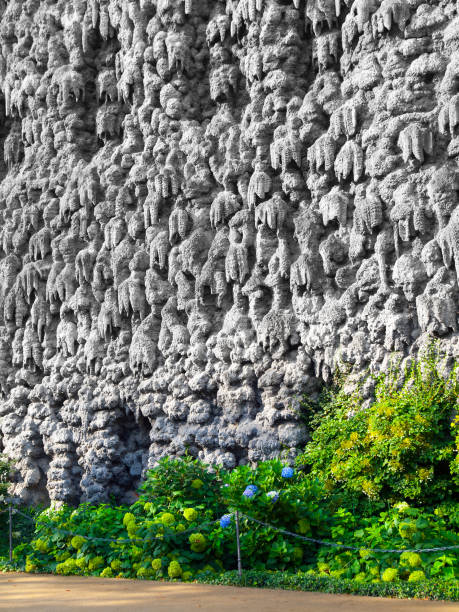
(205, 206)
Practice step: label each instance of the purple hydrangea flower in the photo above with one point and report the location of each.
(287, 472)
(250, 491)
(225, 520)
(273, 495)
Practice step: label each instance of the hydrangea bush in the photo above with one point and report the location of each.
(384, 478)
(163, 536)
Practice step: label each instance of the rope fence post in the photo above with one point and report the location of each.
(10, 530)
(238, 543)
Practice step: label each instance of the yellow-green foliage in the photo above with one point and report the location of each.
(167, 519)
(77, 542)
(411, 559)
(198, 542)
(190, 514)
(144, 572)
(128, 518)
(397, 448)
(31, 564)
(116, 565)
(417, 576)
(390, 574)
(41, 546)
(174, 570)
(95, 563)
(67, 567)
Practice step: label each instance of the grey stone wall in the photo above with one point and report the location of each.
(205, 206)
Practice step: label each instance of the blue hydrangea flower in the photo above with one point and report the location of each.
(225, 520)
(250, 491)
(287, 472)
(273, 495)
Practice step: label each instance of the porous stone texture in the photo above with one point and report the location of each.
(206, 205)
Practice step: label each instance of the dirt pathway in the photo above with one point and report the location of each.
(26, 592)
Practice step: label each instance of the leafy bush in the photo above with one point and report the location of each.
(432, 589)
(402, 527)
(163, 532)
(400, 448)
(381, 482)
(161, 536)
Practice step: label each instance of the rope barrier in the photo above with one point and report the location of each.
(117, 540)
(249, 518)
(358, 548)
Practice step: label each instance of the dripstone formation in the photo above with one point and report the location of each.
(205, 207)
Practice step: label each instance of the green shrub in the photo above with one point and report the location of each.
(401, 448)
(174, 530)
(432, 589)
(174, 570)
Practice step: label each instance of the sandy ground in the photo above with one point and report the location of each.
(20, 592)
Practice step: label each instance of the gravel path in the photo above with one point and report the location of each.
(21, 592)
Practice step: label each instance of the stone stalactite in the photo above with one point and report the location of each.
(206, 206)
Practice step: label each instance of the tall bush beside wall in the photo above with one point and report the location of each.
(403, 447)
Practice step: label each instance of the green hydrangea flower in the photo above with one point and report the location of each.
(81, 563)
(167, 519)
(77, 541)
(417, 576)
(190, 514)
(402, 507)
(148, 506)
(156, 564)
(197, 483)
(68, 567)
(63, 556)
(198, 542)
(31, 564)
(128, 518)
(390, 574)
(187, 576)
(136, 552)
(40, 545)
(106, 573)
(174, 570)
(116, 565)
(95, 563)
(360, 577)
(407, 529)
(411, 558)
(131, 528)
(180, 527)
(144, 572)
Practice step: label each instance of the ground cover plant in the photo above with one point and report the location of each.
(381, 485)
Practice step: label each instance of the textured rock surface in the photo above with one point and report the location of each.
(205, 206)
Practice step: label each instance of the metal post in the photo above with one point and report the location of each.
(10, 525)
(238, 542)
